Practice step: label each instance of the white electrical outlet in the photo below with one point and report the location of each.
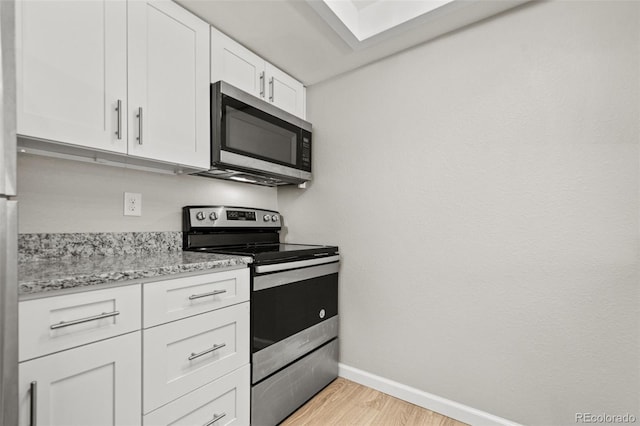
(132, 204)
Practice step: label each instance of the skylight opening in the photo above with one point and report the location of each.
(367, 18)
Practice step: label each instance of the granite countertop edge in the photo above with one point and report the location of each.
(37, 277)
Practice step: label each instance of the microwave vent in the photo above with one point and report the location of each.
(240, 176)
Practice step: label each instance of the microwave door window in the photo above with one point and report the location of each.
(259, 138)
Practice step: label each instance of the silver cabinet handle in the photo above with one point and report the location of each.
(206, 351)
(271, 90)
(139, 117)
(216, 417)
(119, 111)
(33, 408)
(213, 293)
(262, 84)
(87, 319)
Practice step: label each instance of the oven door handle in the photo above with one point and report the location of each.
(298, 264)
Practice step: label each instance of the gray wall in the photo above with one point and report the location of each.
(68, 196)
(483, 189)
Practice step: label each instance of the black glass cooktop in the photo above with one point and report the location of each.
(268, 253)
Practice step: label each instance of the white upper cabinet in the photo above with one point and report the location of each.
(284, 91)
(238, 66)
(168, 84)
(126, 77)
(72, 71)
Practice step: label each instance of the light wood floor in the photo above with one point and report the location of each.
(344, 402)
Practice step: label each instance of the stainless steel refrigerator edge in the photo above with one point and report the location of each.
(8, 221)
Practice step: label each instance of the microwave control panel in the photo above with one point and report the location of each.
(306, 152)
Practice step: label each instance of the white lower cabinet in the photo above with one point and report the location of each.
(179, 298)
(95, 384)
(220, 403)
(196, 350)
(184, 355)
(53, 324)
(82, 361)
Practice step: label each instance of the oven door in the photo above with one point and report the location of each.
(294, 308)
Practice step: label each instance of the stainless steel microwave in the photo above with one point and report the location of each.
(253, 141)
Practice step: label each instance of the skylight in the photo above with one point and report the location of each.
(357, 21)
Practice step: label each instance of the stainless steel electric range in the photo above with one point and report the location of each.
(294, 304)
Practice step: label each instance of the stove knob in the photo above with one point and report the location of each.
(266, 218)
(274, 218)
(200, 216)
(213, 216)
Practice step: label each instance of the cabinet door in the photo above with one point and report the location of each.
(284, 91)
(236, 65)
(71, 72)
(96, 384)
(168, 84)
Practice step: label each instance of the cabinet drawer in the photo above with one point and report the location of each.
(184, 355)
(166, 301)
(226, 399)
(56, 323)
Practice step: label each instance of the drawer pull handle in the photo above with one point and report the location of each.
(33, 407)
(206, 351)
(87, 319)
(213, 293)
(216, 417)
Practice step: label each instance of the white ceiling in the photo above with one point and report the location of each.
(361, 4)
(292, 35)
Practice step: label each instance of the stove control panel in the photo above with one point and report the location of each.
(271, 218)
(229, 217)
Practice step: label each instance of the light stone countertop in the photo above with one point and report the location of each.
(40, 276)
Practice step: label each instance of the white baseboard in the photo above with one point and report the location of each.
(436, 403)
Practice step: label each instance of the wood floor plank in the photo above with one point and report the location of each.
(394, 413)
(347, 403)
